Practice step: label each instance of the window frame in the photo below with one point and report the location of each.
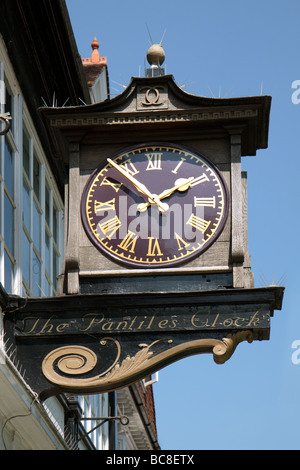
(22, 280)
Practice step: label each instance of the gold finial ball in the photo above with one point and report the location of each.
(156, 54)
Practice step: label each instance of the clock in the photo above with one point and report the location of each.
(154, 205)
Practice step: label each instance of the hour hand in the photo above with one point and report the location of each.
(181, 184)
(153, 198)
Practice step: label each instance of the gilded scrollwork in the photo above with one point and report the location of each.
(63, 366)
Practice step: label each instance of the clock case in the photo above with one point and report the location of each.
(156, 109)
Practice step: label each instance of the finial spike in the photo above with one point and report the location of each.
(163, 37)
(151, 40)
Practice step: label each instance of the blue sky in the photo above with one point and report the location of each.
(232, 48)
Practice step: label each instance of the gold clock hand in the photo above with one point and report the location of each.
(153, 198)
(182, 185)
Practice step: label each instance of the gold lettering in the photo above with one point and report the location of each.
(163, 323)
(178, 166)
(47, 324)
(195, 319)
(129, 242)
(60, 328)
(199, 180)
(150, 323)
(93, 321)
(236, 322)
(205, 201)
(198, 223)
(228, 322)
(154, 161)
(34, 326)
(110, 227)
(107, 182)
(215, 321)
(154, 248)
(132, 323)
(181, 243)
(108, 326)
(129, 167)
(254, 320)
(120, 323)
(104, 206)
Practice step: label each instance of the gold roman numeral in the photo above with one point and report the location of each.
(178, 166)
(110, 227)
(129, 167)
(154, 248)
(198, 223)
(104, 206)
(129, 242)
(107, 182)
(199, 180)
(154, 161)
(181, 243)
(205, 202)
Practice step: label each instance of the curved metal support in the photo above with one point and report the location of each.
(6, 119)
(124, 420)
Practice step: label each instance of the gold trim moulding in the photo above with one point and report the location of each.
(154, 116)
(133, 272)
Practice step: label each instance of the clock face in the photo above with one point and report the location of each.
(155, 205)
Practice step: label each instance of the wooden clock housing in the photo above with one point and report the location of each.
(156, 109)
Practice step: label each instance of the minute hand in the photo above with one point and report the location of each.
(153, 198)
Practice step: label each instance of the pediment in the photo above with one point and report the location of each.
(150, 102)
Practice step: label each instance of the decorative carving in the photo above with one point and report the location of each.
(152, 97)
(142, 118)
(224, 349)
(62, 366)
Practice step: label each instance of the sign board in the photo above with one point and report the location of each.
(98, 343)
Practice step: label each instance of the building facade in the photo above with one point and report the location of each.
(40, 66)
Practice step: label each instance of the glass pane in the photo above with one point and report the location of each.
(26, 259)
(36, 177)
(47, 206)
(47, 253)
(47, 288)
(8, 168)
(36, 276)
(36, 227)
(9, 224)
(8, 273)
(26, 153)
(55, 225)
(26, 205)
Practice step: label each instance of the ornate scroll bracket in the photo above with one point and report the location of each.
(64, 366)
(6, 119)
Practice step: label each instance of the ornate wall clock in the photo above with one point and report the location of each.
(154, 205)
